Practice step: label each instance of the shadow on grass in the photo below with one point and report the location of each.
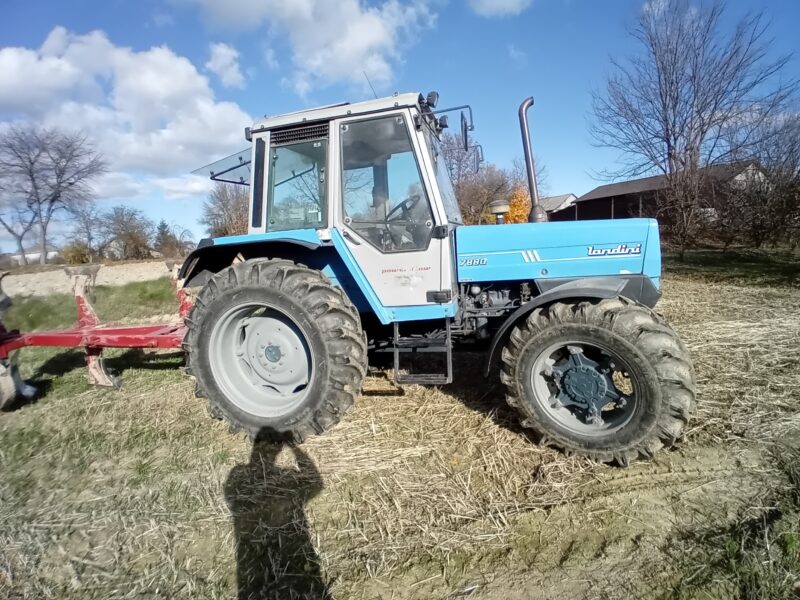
(743, 267)
(274, 555)
(132, 358)
(55, 367)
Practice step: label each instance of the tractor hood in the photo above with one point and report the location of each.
(558, 250)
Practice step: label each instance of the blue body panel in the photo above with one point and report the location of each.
(561, 250)
(489, 253)
(388, 314)
(306, 236)
(343, 271)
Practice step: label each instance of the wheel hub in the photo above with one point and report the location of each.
(584, 385)
(578, 389)
(275, 354)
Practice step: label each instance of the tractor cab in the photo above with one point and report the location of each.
(369, 178)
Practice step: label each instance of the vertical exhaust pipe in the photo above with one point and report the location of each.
(537, 214)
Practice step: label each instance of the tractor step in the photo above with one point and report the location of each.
(439, 345)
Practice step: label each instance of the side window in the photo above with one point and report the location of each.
(382, 192)
(297, 186)
(445, 183)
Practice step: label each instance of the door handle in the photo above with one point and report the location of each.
(347, 235)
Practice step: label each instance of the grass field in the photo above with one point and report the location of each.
(418, 493)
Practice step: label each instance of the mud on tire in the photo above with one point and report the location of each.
(323, 314)
(645, 342)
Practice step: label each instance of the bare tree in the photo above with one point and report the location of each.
(225, 212)
(519, 176)
(88, 227)
(762, 205)
(172, 241)
(695, 96)
(44, 171)
(127, 233)
(462, 164)
(477, 183)
(475, 194)
(17, 219)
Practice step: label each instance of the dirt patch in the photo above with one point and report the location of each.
(56, 281)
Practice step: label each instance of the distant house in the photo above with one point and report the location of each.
(638, 197)
(32, 257)
(555, 203)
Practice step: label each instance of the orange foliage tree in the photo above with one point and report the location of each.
(519, 206)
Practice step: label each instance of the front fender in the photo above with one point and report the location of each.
(639, 288)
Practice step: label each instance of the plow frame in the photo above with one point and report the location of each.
(89, 333)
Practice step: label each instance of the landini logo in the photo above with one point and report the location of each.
(620, 250)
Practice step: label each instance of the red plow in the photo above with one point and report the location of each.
(89, 333)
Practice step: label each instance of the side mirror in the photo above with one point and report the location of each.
(464, 131)
(479, 160)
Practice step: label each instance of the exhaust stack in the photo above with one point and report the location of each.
(537, 214)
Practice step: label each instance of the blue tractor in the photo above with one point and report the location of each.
(356, 244)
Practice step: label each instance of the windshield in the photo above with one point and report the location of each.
(443, 180)
(231, 169)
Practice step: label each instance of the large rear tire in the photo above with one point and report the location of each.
(609, 380)
(276, 348)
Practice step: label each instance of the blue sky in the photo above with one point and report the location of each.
(167, 86)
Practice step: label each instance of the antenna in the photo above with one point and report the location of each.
(370, 85)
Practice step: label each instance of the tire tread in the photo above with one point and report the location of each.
(640, 326)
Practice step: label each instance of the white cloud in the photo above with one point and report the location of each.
(224, 63)
(186, 186)
(118, 185)
(271, 59)
(332, 41)
(499, 8)
(151, 112)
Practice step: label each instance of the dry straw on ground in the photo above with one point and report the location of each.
(425, 492)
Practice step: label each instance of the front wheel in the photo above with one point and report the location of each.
(609, 380)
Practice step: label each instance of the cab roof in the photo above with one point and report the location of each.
(332, 111)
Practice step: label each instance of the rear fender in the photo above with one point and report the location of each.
(210, 258)
(639, 288)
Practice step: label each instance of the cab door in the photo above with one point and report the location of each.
(387, 214)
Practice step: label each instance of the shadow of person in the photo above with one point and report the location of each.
(275, 558)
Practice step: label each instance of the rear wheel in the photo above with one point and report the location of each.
(609, 380)
(276, 349)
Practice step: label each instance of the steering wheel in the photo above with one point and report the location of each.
(404, 208)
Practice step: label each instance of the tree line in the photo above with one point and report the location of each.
(46, 174)
(122, 233)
